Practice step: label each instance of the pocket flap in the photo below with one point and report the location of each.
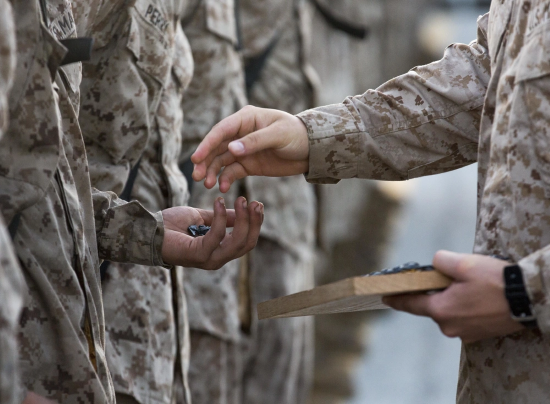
(534, 60)
(150, 47)
(220, 19)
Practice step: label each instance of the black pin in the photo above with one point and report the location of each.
(197, 231)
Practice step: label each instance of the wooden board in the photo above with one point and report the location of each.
(351, 294)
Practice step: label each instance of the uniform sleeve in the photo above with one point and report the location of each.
(126, 231)
(421, 123)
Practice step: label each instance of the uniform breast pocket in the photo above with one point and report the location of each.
(530, 116)
(29, 150)
(151, 40)
(220, 18)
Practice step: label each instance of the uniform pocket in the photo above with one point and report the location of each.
(150, 40)
(531, 112)
(29, 150)
(534, 60)
(220, 19)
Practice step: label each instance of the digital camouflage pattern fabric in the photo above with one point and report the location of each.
(216, 91)
(44, 177)
(11, 296)
(484, 102)
(131, 111)
(282, 262)
(217, 88)
(11, 280)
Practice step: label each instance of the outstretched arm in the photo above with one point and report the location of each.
(423, 122)
(127, 232)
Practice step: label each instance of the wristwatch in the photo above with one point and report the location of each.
(520, 305)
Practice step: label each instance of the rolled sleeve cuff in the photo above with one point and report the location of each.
(132, 234)
(534, 267)
(336, 143)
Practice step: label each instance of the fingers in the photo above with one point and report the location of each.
(214, 237)
(230, 174)
(225, 130)
(208, 216)
(200, 169)
(245, 233)
(256, 219)
(237, 239)
(215, 166)
(419, 305)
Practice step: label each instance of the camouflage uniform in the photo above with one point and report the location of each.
(130, 112)
(11, 296)
(484, 102)
(11, 281)
(216, 91)
(44, 178)
(275, 47)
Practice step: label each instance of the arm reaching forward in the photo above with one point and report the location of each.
(423, 122)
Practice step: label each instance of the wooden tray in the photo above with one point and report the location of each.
(351, 294)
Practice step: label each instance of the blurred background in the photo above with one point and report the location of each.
(387, 357)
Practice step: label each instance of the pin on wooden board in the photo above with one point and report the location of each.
(352, 294)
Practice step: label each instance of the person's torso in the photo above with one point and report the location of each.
(514, 191)
(44, 178)
(514, 184)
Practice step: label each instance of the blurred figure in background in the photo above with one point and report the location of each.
(11, 279)
(357, 219)
(278, 353)
(134, 153)
(234, 358)
(215, 306)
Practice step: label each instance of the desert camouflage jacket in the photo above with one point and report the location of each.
(64, 226)
(11, 280)
(275, 50)
(486, 102)
(282, 82)
(131, 111)
(216, 91)
(11, 297)
(217, 88)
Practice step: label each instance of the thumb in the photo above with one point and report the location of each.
(263, 139)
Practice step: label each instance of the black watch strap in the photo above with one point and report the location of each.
(520, 305)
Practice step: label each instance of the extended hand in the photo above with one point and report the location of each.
(217, 247)
(473, 307)
(253, 141)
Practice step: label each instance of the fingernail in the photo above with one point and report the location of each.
(221, 201)
(245, 203)
(262, 205)
(236, 147)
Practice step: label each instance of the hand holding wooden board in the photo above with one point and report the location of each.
(352, 294)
